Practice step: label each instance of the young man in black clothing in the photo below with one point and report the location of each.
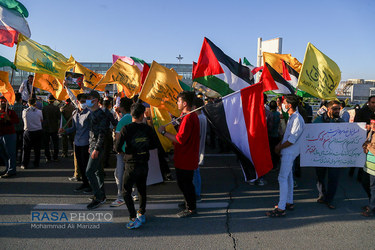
(139, 139)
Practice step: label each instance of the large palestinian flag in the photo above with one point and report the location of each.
(219, 72)
(240, 120)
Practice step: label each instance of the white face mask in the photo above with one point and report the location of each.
(284, 108)
(83, 105)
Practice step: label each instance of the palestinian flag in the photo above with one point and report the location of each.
(284, 87)
(219, 72)
(240, 120)
(253, 69)
(291, 75)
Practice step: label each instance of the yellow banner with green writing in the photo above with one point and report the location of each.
(126, 76)
(319, 75)
(276, 61)
(34, 57)
(162, 117)
(161, 88)
(5, 88)
(90, 78)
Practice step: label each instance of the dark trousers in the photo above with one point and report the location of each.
(164, 168)
(96, 180)
(82, 156)
(107, 149)
(135, 173)
(31, 139)
(365, 181)
(273, 141)
(55, 141)
(19, 144)
(333, 179)
(185, 183)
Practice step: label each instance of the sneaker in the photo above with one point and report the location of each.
(91, 198)
(80, 188)
(251, 183)
(8, 175)
(168, 177)
(141, 217)
(198, 199)
(94, 204)
(186, 213)
(74, 178)
(134, 224)
(104, 200)
(295, 184)
(135, 197)
(117, 203)
(261, 182)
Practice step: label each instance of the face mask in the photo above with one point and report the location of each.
(89, 103)
(284, 108)
(83, 105)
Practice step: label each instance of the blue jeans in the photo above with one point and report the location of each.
(96, 179)
(8, 152)
(286, 180)
(197, 182)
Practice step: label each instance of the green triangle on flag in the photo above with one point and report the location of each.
(5, 62)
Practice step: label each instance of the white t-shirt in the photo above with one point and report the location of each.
(32, 118)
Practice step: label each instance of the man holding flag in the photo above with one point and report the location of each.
(186, 142)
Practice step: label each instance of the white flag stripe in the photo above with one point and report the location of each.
(235, 83)
(14, 20)
(236, 123)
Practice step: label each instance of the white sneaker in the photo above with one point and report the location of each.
(117, 203)
(261, 182)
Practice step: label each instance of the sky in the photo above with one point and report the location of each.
(93, 30)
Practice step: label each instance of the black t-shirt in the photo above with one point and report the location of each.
(139, 139)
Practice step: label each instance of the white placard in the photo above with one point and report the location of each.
(154, 175)
(333, 145)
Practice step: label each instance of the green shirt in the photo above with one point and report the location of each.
(125, 120)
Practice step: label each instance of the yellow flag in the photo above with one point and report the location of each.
(161, 88)
(275, 61)
(126, 76)
(319, 75)
(34, 57)
(90, 78)
(162, 117)
(49, 83)
(5, 88)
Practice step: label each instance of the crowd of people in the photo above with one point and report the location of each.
(96, 126)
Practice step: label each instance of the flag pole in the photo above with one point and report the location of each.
(11, 78)
(178, 118)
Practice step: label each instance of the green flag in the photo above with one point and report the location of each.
(15, 5)
(5, 62)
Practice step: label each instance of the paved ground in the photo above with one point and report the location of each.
(231, 215)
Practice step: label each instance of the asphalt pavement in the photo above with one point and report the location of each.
(230, 216)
